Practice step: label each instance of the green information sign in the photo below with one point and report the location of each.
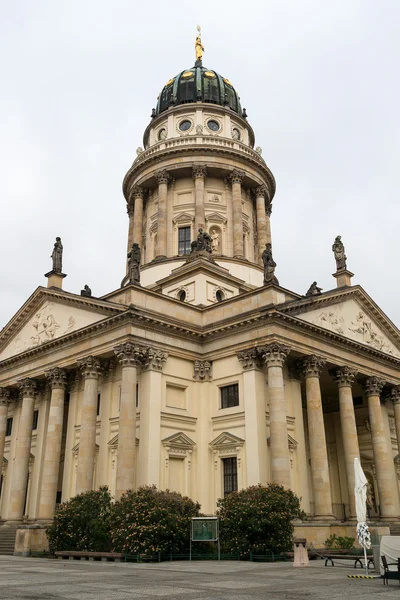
(205, 529)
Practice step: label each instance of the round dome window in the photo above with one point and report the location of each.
(213, 125)
(185, 125)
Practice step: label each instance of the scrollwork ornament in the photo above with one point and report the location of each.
(274, 354)
(202, 370)
(130, 354)
(312, 366)
(90, 367)
(343, 376)
(28, 388)
(57, 378)
(373, 386)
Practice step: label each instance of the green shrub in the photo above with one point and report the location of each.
(335, 542)
(149, 521)
(82, 523)
(258, 519)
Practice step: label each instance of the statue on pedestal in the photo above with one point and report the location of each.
(314, 290)
(86, 291)
(338, 250)
(269, 265)
(214, 242)
(56, 256)
(203, 242)
(134, 264)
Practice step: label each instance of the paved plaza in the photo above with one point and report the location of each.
(40, 579)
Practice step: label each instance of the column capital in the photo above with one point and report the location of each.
(236, 176)
(130, 354)
(57, 378)
(137, 192)
(90, 367)
(155, 359)
(394, 394)
(312, 366)
(28, 387)
(249, 358)
(268, 208)
(373, 385)
(274, 354)
(108, 368)
(162, 177)
(4, 396)
(202, 370)
(262, 191)
(199, 171)
(130, 207)
(343, 376)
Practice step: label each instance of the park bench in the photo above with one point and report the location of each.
(331, 557)
(75, 555)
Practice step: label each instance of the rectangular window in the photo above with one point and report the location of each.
(230, 396)
(137, 395)
(184, 240)
(9, 426)
(230, 475)
(98, 404)
(58, 497)
(35, 420)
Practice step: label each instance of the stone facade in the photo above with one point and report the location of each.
(201, 366)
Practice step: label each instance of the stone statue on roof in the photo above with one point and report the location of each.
(338, 250)
(56, 256)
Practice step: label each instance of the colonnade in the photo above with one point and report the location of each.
(272, 357)
(199, 174)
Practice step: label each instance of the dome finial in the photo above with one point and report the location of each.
(199, 48)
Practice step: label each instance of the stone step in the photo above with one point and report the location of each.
(7, 540)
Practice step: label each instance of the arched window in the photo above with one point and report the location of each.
(219, 296)
(182, 296)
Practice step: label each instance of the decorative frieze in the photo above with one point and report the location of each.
(130, 354)
(274, 354)
(28, 388)
(343, 376)
(57, 378)
(90, 367)
(162, 177)
(312, 366)
(373, 386)
(202, 370)
(199, 171)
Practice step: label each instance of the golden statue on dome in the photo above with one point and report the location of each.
(199, 48)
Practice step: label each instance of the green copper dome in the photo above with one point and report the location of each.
(198, 84)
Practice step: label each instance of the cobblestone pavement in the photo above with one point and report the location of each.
(40, 579)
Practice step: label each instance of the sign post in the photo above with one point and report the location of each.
(205, 529)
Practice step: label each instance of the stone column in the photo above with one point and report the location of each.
(202, 375)
(382, 454)
(20, 469)
(69, 459)
(312, 367)
(150, 407)
(236, 179)
(261, 220)
(344, 377)
(163, 179)
(274, 356)
(395, 397)
(4, 402)
(57, 378)
(199, 174)
(90, 368)
(130, 356)
(105, 435)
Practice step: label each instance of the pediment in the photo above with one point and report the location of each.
(355, 320)
(46, 317)
(113, 443)
(179, 440)
(183, 217)
(216, 218)
(75, 449)
(292, 443)
(226, 439)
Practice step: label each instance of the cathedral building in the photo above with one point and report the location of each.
(200, 374)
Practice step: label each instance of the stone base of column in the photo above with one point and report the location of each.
(324, 518)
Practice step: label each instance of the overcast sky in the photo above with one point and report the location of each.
(320, 83)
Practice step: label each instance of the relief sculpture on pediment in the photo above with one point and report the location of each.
(365, 329)
(331, 320)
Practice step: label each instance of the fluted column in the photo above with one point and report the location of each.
(274, 356)
(261, 220)
(20, 469)
(130, 356)
(395, 397)
(90, 369)
(344, 377)
(382, 454)
(4, 402)
(236, 178)
(312, 367)
(162, 178)
(57, 378)
(199, 174)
